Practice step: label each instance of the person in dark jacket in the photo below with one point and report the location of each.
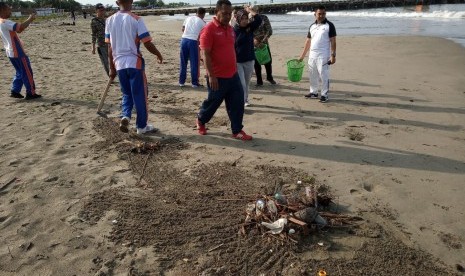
(97, 25)
(245, 56)
(261, 37)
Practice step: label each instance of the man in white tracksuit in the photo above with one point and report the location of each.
(321, 40)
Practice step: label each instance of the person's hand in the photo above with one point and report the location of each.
(332, 59)
(213, 81)
(160, 59)
(256, 42)
(300, 59)
(32, 16)
(112, 73)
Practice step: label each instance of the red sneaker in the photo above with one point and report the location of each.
(242, 136)
(201, 127)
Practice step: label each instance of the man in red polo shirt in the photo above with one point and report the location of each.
(217, 44)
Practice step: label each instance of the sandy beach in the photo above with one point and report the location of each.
(77, 197)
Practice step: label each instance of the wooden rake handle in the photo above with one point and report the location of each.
(102, 100)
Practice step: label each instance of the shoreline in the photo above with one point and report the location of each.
(281, 28)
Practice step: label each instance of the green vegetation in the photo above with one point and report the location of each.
(67, 5)
(149, 3)
(159, 4)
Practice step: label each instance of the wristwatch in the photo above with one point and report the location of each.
(333, 54)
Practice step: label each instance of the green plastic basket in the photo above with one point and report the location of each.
(295, 69)
(262, 55)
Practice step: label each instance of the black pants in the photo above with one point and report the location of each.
(258, 69)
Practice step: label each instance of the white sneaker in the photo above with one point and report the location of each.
(148, 128)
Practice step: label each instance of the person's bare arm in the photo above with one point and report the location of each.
(333, 50)
(112, 73)
(208, 64)
(26, 23)
(153, 49)
(306, 48)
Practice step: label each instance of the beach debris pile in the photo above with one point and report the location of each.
(145, 147)
(288, 215)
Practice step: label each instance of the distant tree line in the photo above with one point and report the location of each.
(67, 5)
(159, 4)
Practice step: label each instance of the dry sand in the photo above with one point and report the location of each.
(72, 201)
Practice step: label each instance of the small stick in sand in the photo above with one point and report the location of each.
(9, 251)
(143, 170)
(216, 247)
(232, 199)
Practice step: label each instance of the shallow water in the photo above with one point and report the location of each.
(446, 21)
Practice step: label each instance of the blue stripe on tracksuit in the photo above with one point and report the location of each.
(189, 52)
(23, 76)
(134, 88)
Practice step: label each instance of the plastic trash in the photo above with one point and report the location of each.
(260, 206)
(320, 220)
(277, 226)
(312, 195)
(307, 215)
(250, 208)
(272, 207)
(280, 198)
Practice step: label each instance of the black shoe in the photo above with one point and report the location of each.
(311, 96)
(323, 99)
(259, 84)
(272, 81)
(32, 97)
(16, 95)
(124, 125)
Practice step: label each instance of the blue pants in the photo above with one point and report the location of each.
(134, 87)
(189, 52)
(23, 76)
(230, 90)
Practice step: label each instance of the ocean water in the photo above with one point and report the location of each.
(446, 21)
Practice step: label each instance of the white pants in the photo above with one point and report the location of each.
(319, 73)
(245, 71)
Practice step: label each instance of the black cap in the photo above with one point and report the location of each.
(99, 6)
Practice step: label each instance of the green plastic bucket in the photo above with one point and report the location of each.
(262, 55)
(295, 69)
